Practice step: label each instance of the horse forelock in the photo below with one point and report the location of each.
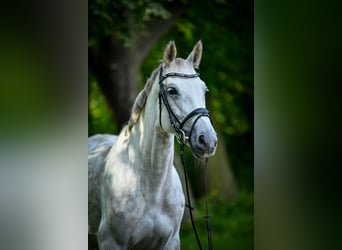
(182, 66)
(140, 101)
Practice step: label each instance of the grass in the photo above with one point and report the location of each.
(231, 224)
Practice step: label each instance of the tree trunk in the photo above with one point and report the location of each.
(115, 69)
(116, 66)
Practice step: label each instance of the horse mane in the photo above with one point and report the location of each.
(140, 101)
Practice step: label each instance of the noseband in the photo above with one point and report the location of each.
(177, 124)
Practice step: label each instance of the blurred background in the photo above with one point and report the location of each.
(126, 43)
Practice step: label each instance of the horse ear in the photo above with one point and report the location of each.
(196, 55)
(169, 53)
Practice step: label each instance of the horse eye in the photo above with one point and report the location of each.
(172, 91)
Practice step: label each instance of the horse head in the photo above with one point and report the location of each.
(182, 101)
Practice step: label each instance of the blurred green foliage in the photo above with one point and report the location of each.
(231, 224)
(108, 17)
(100, 119)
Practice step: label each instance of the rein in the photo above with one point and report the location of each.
(184, 139)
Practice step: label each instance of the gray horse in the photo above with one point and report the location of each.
(136, 199)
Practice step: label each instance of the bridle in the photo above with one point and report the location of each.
(178, 125)
(185, 139)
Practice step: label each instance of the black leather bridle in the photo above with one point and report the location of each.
(176, 123)
(183, 139)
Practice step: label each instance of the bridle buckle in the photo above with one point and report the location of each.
(181, 137)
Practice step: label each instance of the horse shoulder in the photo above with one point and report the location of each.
(123, 204)
(121, 185)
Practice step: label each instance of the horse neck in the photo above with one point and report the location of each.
(154, 145)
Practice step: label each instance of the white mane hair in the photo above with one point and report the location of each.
(140, 101)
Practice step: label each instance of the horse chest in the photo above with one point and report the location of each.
(152, 218)
(149, 210)
(161, 218)
(153, 229)
(142, 212)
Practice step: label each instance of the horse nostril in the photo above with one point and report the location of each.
(202, 140)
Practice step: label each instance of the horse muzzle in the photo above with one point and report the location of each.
(204, 143)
